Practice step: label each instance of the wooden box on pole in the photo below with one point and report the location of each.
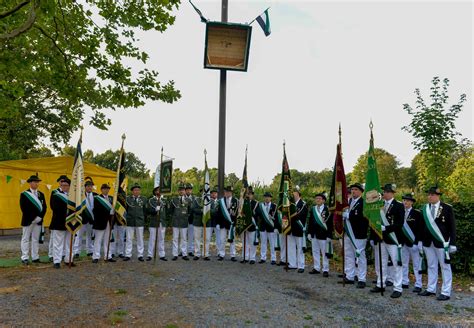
(227, 46)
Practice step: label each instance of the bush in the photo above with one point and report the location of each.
(463, 260)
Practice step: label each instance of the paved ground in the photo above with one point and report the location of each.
(202, 294)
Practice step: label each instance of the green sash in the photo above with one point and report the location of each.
(225, 211)
(319, 220)
(408, 232)
(352, 238)
(34, 200)
(434, 230)
(265, 215)
(104, 202)
(63, 197)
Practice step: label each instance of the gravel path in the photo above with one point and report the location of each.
(203, 294)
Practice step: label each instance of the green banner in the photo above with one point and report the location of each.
(166, 175)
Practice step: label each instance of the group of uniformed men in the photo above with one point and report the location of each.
(407, 235)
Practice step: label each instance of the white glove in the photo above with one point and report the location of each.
(112, 212)
(420, 246)
(372, 243)
(345, 215)
(452, 249)
(383, 228)
(37, 220)
(158, 208)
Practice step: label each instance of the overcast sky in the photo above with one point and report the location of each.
(324, 63)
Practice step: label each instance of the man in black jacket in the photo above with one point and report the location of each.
(87, 221)
(58, 204)
(266, 213)
(392, 242)
(296, 236)
(33, 208)
(439, 240)
(412, 233)
(226, 218)
(320, 226)
(103, 212)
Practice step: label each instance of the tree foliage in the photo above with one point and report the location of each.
(58, 58)
(434, 131)
(387, 165)
(461, 181)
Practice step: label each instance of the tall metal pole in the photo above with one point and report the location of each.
(222, 113)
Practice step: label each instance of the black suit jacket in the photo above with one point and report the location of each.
(60, 211)
(360, 225)
(254, 207)
(395, 216)
(301, 214)
(263, 225)
(446, 224)
(415, 222)
(221, 220)
(317, 231)
(101, 214)
(29, 210)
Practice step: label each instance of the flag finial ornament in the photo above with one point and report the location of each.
(123, 136)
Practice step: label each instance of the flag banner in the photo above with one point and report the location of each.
(119, 202)
(264, 21)
(166, 175)
(286, 201)
(245, 214)
(157, 176)
(206, 211)
(373, 203)
(338, 201)
(77, 192)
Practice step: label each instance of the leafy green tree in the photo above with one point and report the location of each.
(461, 181)
(58, 58)
(387, 165)
(434, 132)
(133, 166)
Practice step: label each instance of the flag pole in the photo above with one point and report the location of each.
(158, 214)
(114, 201)
(204, 225)
(343, 232)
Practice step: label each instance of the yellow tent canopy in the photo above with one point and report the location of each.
(13, 176)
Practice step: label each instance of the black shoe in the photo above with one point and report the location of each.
(261, 261)
(281, 263)
(163, 259)
(388, 283)
(95, 261)
(340, 276)
(356, 278)
(325, 274)
(56, 265)
(233, 259)
(252, 262)
(220, 258)
(348, 282)
(442, 297)
(185, 258)
(141, 259)
(360, 284)
(377, 289)
(174, 258)
(396, 294)
(196, 258)
(36, 261)
(50, 259)
(90, 254)
(191, 254)
(126, 258)
(405, 286)
(111, 260)
(148, 258)
(314, 271)
(243, 261)
(76, 256)
(416, 290)
(300, 270)
(121, 256)
(273, 263)
(290, 268)
(207, 258)
(72, 264)
(426, 293)
(25, 262)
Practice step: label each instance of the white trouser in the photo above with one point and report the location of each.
(161, 242)
(270, 236)
(295, 252)
(50, 245)
(120, 239)
(318, 247)
(190, 239)
(223, 237)
(86, 230)
(198, 238)
(388, 250)
(101, 239)
(250, 248)
(32, 232)
(349, 259)
(177, 232)
(58, 237)
(433, 257)
(414, 253)
(129, 244)
(217, 230)
(282, 247)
